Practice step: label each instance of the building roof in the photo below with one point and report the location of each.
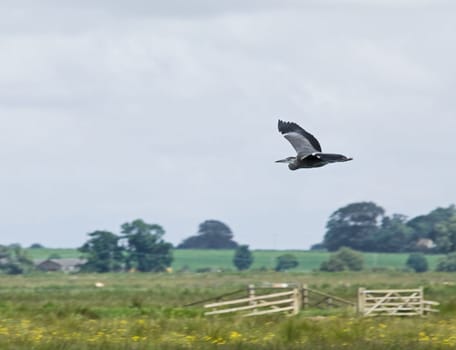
(63, 263)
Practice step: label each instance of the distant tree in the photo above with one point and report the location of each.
(417, 262)
(14, 246)
(146, 249)
(318, 246)
(243, 258)
(36, 246)
(54, 256)
(286, 262)
(333, 264)
(445, 235)
(447, 264)
(14, 260)
(424, 226)
(344, 259)
(354, 226)
(393, 235)
(104, 254)
(353, 260)
(212, 234)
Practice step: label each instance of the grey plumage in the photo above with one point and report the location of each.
(307, 147)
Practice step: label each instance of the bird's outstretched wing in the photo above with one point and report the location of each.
(301, 140)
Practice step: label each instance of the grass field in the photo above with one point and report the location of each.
(145, 311)
(199, 259)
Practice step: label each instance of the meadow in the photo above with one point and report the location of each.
(194, 259)
(147, 311)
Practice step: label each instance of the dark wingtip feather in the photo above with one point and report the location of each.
(285, 127)
(279, 123)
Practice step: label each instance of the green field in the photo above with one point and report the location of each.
(146, 311)
(222, 259)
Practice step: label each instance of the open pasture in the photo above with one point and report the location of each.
(194, 259)
(145, 311)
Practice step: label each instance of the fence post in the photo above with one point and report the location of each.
(297, 299)
(329, 301)
(421, 301)
(361, 301)
(252, 295)
(305, 296)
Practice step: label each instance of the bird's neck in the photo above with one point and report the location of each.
(293, 164)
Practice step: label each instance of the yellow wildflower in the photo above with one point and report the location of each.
(235, 335)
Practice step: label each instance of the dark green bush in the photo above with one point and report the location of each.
(344, 259)
(243, 258)
(286, 262)
(417, 262)
(447, 264)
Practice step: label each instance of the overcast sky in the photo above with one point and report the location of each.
(167, 111)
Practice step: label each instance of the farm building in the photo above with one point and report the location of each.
(425, 243)
(65, 265)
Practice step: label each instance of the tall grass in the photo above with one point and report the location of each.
(146, 311)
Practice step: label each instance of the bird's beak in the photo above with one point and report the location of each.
(282, 161)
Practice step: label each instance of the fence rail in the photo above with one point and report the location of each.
(394, 302)
(292, 300)
(259, 304)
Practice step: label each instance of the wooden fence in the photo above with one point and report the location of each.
(292, 297)
(394, 302)
(253, 305)
(265, 299)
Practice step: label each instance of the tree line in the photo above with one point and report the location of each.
(139, 246)
(360, 226)
(364, 226)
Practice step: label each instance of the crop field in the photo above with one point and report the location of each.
(193, 259)
(146, 311)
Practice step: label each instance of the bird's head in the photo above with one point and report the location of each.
(287, 160)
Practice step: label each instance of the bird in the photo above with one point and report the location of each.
(307, 147)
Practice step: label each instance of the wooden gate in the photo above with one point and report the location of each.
(394, 302)
(288, 301)
(265, 299)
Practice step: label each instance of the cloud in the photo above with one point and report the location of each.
(168, 112)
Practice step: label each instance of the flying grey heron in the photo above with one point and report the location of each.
(307, 147)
